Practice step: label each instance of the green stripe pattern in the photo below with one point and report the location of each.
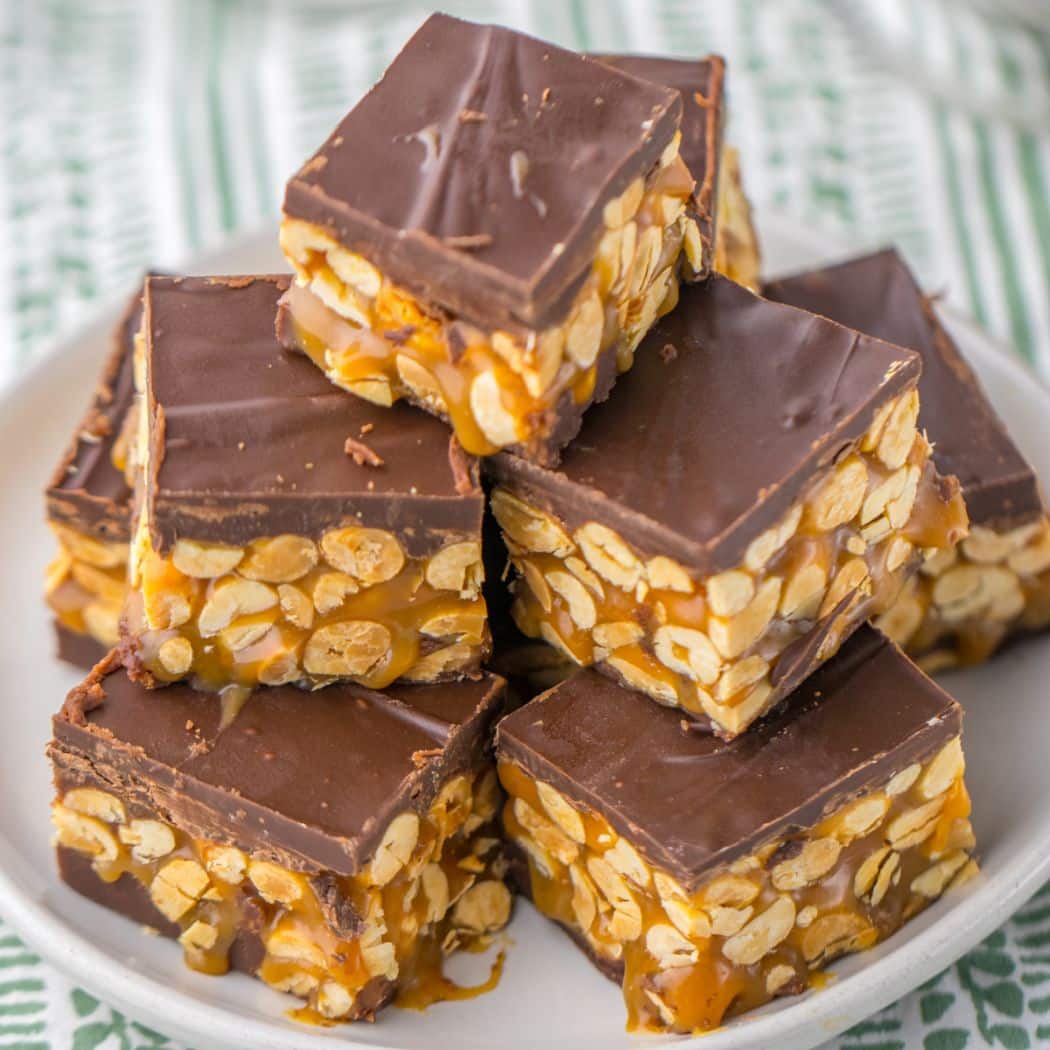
(135, 135)
(23, 995)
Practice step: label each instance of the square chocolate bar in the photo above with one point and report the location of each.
(709, 877)
(337, 847)
(290, 533)
(965, 601)
(88, 509)
(719, 205)
(756, 490)
(490, 232)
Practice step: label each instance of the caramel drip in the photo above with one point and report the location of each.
(426, 982)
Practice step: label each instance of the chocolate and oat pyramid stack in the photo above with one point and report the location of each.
(273, 541)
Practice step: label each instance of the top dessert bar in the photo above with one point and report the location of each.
(964, 602)
(709, 876)
(289, 532)
(88, 510)
(491, 231)
(756, 489)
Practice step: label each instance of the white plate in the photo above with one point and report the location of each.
(549, 996)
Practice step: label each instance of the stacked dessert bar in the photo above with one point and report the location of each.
(292, 754)
(283, 534)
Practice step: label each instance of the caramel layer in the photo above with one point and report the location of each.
(86, 584)
(285, 609)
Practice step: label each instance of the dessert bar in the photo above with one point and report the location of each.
(337, 847)
(489, 233)
(755, 491)
(288, 532)
(709, 877)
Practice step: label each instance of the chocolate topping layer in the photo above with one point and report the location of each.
(248, 440)
(701, 83)
(733, 405)
(878, 294)
(690, 802)
(87, 492)
(310, 778)
(475, 172)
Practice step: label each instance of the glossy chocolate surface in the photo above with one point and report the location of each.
(878, 294)
(475, 172)
(249, 440)
(87, 492)
(734, 405)
(691, 802)
(701, 84)
(312, 777)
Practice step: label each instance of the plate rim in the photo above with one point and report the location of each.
(840, 1004)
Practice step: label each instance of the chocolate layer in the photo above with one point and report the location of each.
(87, 492)
(247, 440)
(878, 294)
(312, 779)
(690, 802)
(80, 650)
(519, 878)
(732, 408)
(701, 84)
(126, 896)
(475, 172)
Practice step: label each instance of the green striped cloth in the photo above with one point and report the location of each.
(139, 134)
